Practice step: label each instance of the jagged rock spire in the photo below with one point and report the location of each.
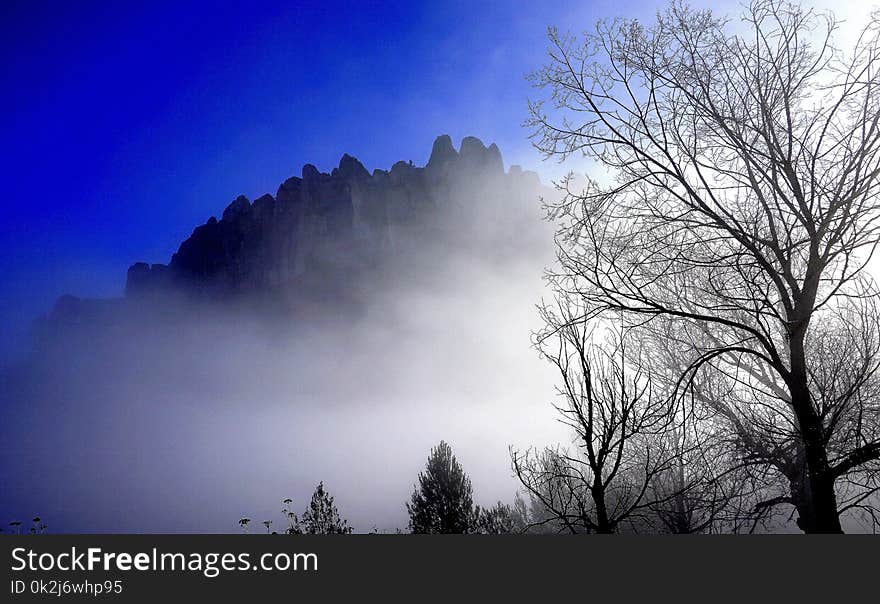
(329, 220)
(474, 152)
(239, 206)
(351, 169)
(442, 152)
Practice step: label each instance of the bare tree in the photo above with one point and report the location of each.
(613, 411)
(705, 488)
(741, 203)
(745, 416)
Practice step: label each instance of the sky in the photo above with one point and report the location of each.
(126, 124)
(123, 125)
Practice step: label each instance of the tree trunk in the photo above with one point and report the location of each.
(603, 525)
(813, 494)
(813, 487)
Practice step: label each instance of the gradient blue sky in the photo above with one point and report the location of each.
(124, 124)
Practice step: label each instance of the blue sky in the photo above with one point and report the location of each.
(123, 124)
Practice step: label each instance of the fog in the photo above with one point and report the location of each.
(214, 413)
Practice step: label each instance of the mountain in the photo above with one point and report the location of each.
(321, 332)
(327, 239)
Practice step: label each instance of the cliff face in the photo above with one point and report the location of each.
(323, 245)
(321, 228)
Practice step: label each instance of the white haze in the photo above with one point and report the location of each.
(190, 428)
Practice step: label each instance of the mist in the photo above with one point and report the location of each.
(171, 414)
(216, 411)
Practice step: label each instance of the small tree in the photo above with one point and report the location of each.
(322, 517)
(501, 519)
(443, 500)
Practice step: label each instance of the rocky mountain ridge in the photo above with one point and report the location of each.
(344, 222)
(326, 242)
